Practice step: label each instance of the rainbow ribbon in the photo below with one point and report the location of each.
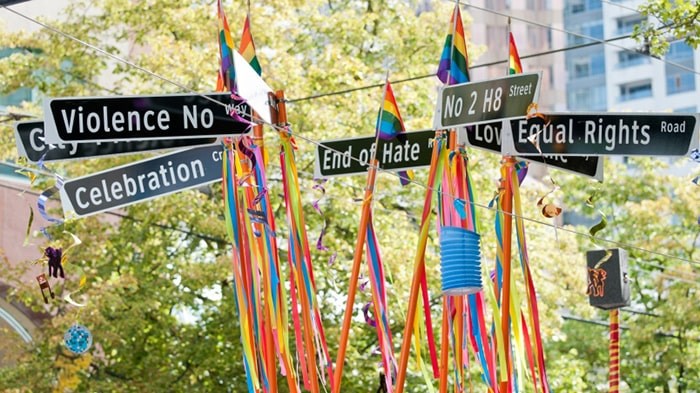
(302, 283)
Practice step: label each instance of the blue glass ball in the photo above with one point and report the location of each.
(78, 339)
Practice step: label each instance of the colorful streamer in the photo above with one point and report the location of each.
(614, 351)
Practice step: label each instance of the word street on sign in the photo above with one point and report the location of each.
(488, 136)
(351, 156)
(175, 116)
(478, 102)
(628, 134)
(29, 136)
(141, 181)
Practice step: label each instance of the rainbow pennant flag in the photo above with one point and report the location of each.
(390, 126)
(227, 73)
(513, 58)
(247, 48)
(453, 62)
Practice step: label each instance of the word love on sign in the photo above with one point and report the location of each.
(175, 116)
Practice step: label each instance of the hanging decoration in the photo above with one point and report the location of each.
(78, 339)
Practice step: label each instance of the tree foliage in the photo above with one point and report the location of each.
(669, 20)
(159, 296)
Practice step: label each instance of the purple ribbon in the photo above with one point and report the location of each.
(368, 318)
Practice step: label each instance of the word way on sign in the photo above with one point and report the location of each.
(648, 134)
(351, 156)
(177, 116)
(478, 102)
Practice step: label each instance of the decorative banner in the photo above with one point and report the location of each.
(341, 157)
(123, 118)
(479, 102)
(141, 181)
(627, 134)
(489, 136)
(608, 284)
(29, 136)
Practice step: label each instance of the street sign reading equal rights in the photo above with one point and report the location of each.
(29, 136)
(121, 118)
(478, 102)
(645, 134)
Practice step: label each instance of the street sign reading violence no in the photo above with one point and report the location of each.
(478, 102)
(646, 134)
(29, 136)
(174, 116)
(489, 136)
(351, 156)
(140, 181)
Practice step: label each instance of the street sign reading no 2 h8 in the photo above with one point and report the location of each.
(478, 102)
(627, 134)
(173, 116)
(29, 136)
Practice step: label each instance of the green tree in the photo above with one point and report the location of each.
(158, 291)
(669, 20)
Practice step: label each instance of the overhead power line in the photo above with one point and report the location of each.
(316, 143)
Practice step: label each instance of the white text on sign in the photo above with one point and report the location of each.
(75, 120)
(391, 153)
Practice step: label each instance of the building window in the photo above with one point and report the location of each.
(587, 98)
(588, 66)
(686, 109)
(630, 59)
(626, 25)
(680, 82)
(635, 90)
(679, 50)
(16, 97)
(592, 29)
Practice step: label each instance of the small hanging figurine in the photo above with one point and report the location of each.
(44, 284)
(55, 256)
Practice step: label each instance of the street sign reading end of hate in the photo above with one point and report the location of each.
(29, 137)
(122, 118)
(627, 134)
(489, 136)
(351, 156)
(141, 181)
(478, 102)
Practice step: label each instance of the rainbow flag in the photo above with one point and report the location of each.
(389, 122)
(453, 62)
(227, 73)
(514, 58)
(390, 126)
(247, 48)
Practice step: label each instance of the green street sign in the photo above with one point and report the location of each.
(625, 134)
(351, 156)
(478, 102)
